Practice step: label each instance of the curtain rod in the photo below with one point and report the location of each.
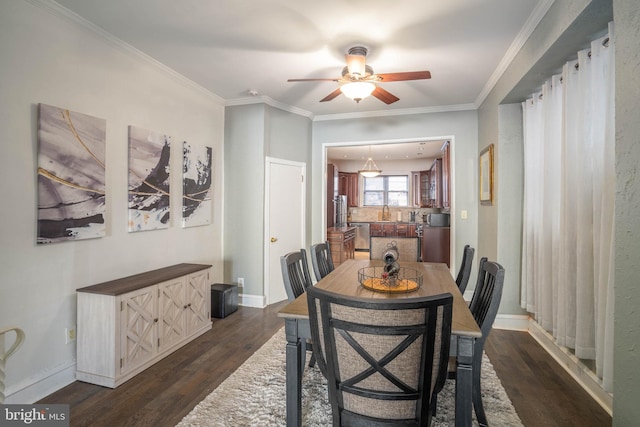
(605, 43)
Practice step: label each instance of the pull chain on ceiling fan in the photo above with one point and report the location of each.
(359, 81)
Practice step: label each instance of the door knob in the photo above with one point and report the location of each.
(273, 240)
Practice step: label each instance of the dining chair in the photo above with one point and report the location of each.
(407, 247)
(385, 360)
(296, 278)
(462, 280)
(484, 307)
(321, 259)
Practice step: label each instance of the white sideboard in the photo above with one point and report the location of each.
(126, 325)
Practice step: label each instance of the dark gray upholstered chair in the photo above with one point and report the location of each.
(484, 307)
(385, 359)
(465, 268)
(295, 274)
(321, 260)
(408, 247)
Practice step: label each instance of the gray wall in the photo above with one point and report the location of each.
(253, 132)
(509, 214)
(626, 411)
(244, 152)
(459, 126)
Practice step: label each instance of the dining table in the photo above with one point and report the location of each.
(436, 279)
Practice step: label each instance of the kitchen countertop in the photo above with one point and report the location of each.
(340, 229)
(395, 222)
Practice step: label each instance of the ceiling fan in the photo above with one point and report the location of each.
(358, 80)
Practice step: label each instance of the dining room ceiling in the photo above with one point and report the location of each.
(244, 51)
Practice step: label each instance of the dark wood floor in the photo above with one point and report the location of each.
(542, 393)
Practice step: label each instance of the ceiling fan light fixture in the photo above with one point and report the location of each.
(370, 169)
(357, 90)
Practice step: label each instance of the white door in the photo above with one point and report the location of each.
(284, 220)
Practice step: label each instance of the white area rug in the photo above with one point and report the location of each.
(254, 395)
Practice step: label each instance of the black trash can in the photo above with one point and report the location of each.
(224, 300)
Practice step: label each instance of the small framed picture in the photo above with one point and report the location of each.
(486, 176)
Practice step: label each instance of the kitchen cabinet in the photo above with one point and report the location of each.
(420, 185)
(425, 187)
(382, 229)
(435, 246)
(128, 324)
(348, 185)
(332, 192)
(376, 229)
(391, 229)
(405, 230)
(435, 188)
(342, 242)
(446, 176)
(415, 188)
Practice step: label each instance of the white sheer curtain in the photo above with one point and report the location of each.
(568, 212)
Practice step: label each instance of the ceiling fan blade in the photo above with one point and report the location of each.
(384, 96)
(356, 64)
(331, 95)
(313, 80)
(408, 75)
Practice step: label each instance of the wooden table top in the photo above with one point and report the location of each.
(436, 280)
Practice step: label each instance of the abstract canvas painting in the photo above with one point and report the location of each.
(71, 175)
(196, 185)
(149, 162)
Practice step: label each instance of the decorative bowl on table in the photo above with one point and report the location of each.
(379, 280)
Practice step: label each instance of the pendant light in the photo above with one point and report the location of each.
(370, 169)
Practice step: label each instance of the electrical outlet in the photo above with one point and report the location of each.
(241, 282)
(69, 335)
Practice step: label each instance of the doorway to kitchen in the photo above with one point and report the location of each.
(410, 159)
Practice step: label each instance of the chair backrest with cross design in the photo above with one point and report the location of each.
(384, 359)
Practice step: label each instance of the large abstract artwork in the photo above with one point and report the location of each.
(196, 185)
(149, 162)
(71, 175)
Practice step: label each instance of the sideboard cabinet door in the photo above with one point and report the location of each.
(198, 297)
(172, 304)
(138, 326)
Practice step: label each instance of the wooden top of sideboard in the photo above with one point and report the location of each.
(142, 280)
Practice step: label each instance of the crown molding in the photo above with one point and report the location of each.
(269, 101)
(345, 116)
(400, 112)
(62, 12)
(529, 26)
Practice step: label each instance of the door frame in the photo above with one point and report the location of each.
(452, 184)
(267, 201)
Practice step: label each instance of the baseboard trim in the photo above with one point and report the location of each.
(512, 322)
(39, 388)
(256, 301)
(578, 371)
